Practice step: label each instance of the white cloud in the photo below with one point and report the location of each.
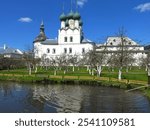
(143, 7)
(81, 2)
(25, 20)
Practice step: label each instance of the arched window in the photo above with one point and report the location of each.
(65, 39)
(54, 51)
(70, 50)
(65, 50)
(48, 50)
(83, 50)
(71, 39)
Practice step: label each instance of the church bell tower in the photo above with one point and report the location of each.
(70, 31)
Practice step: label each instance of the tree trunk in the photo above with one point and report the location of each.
(73, 68)
(99, 70)
(64, 71)
(146, 68)
(92, 72)
(78, 68)
(35, 69)
(120, 74)
(130, 67)
(46, 67)
(88, 67)
(30, 70)
(112, 69)
(127, 69)
(55, 72)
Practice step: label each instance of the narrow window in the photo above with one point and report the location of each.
(65, 50)
(70, 50)
(83, 50)
(54, 51)
(48, 50)
(129, 43)
(65, 39)
(71, 39)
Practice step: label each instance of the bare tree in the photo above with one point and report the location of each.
(123, 56)
(73, 60)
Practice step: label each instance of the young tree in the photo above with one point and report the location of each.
(123, 55)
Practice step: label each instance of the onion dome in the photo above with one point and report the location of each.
(62, 17)
(70, 15)
(41, 37)
(76, 16)
(67, 23)
(80, 23)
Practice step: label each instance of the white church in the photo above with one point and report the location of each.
(70, 39)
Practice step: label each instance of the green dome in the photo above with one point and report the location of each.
(80, 23)
(77, 16)
(62, 17)
(70, 15)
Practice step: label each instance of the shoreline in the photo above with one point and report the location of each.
(94, 82)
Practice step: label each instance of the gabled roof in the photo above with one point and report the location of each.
(115, 41)
(10, 51)
(50, 42)
(86, 41)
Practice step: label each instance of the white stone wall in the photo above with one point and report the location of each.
(47, 50)
(74, 33)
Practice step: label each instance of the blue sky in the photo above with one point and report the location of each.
(20, 19)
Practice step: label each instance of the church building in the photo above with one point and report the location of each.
(70, 39)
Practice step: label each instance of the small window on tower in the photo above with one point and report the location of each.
(65, 50)
(130, 43)
(70, 50)
(71, 39)
(54, 51)
(111, 43)
(48, 50)
(65, 39)
(83, 51)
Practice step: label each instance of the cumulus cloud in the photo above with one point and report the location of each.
(25, 20)
(143, 7)
(81, 3)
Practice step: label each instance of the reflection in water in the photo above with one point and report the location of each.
(60, 98)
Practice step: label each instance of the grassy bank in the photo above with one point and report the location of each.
(132, 79)
(81, 80)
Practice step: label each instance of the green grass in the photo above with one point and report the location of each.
(134, 74)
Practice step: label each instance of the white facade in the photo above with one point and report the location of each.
(114, 44)
(70, 39)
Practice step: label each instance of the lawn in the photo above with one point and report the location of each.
(134, 74)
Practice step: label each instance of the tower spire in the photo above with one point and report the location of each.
(71, 6)
(63, 7)
(42, 23)
(42, 27)
(76, 5)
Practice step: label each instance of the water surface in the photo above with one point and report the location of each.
(18, 97)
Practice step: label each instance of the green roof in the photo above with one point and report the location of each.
(77, 16)
(63, 17)
(70, 15)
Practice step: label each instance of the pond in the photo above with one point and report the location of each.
(27, 98)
